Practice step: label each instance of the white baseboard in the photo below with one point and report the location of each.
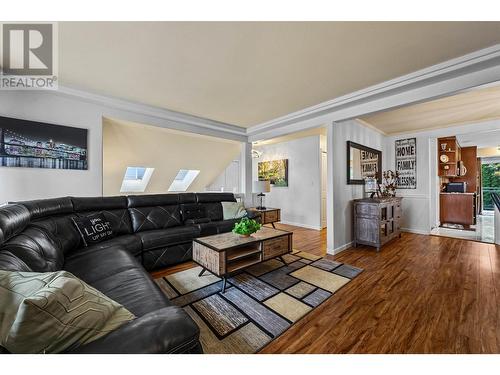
(346, 246)
(300, 225)
(416, 231)
(339, 249)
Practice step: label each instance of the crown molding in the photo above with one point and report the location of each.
(462, 73)
(167, 118)
(474, 69)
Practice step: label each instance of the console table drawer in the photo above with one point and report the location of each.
(367, 210)
(270, 216)
(275, 247)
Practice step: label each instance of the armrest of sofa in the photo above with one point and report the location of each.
(168, 330)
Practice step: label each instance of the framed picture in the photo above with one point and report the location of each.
(406, 163)
(32, 144)
(276, 171)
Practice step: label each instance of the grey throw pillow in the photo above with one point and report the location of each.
(53, 312)
(233, 210)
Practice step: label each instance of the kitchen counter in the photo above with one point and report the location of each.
(444, 192)
(457, 208)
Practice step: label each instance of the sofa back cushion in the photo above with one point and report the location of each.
(35, 249)
(114, 210)
(193, 211)
(212, 203)
(13, 219)
(10, 262)
(62, 230)
(48, 207)
(149, 212)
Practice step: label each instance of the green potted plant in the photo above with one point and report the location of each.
(245, 227)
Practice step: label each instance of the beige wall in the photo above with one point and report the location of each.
(128, 144)
(487, 151)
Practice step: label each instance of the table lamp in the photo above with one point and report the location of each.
(261, 187)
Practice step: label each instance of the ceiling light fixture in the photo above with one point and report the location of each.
(256, 153)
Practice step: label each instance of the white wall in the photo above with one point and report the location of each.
(83, 110)
(420, 206)
(229, 180)
(33, 183)
(128, 144)
(300, 202)
(416, 202)
(340, 237)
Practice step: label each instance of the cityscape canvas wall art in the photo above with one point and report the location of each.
(276, 171)
(33, 144)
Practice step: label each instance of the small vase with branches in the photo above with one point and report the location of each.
(389, 183)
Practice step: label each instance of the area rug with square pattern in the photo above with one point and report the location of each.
(260, 303)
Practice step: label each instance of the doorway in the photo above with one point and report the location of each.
(489, 184)
(481, 176)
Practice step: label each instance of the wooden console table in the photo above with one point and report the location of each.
(227, 253)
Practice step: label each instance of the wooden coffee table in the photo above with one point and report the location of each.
(227, 253)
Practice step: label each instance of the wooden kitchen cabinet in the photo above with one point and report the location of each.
(449, 147)
(457, 208)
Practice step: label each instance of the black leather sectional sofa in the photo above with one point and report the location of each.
(153, 231)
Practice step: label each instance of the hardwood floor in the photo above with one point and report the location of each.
(419, 294)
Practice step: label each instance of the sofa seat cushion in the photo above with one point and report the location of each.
(166, 256)
(117, 274)
(216, 227)
(130, 242)
(169, 330)
(98, 264)
(163, 237)
(135, 290)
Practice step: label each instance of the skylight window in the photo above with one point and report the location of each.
(183, 180)
(136, 179)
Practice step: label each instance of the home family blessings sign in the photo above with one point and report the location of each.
(406, 163)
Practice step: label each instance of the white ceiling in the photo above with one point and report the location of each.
(249, 72)
(472, 106)
(481, 140)
(292, 136)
